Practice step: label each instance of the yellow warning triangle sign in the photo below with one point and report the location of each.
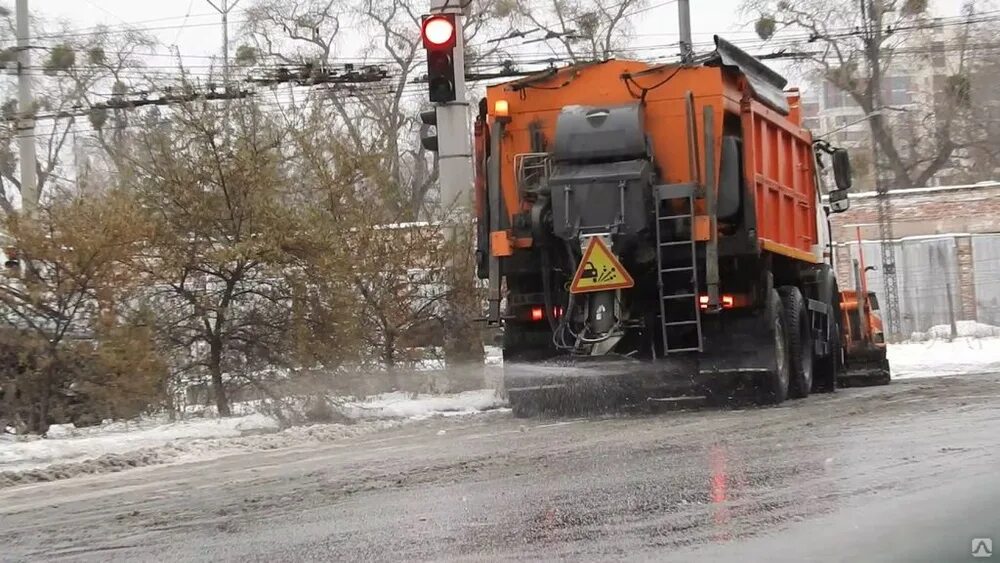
(600, 270)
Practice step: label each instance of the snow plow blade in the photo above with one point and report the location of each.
(866, 369)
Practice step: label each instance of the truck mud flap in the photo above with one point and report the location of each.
(586, 384)
(738, 349)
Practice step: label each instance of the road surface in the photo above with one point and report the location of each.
(906, 473)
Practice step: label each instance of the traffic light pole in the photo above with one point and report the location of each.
(26, 113)
(454, 135)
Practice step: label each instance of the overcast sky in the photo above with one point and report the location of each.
(194, 27)
(202, 34)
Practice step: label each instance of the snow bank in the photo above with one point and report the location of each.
(406, 405)
(965, 329)
(67, 444)
(115, 446)
(185, 451)
(940, 357)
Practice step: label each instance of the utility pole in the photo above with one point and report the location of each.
(687, 43)
(872, 30)
(454, 134)
(25, 113)
(224, 9)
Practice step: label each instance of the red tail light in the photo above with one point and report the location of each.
(538, 313)
(728, 301)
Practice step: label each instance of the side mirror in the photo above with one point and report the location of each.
(842, 170)
(839, 201)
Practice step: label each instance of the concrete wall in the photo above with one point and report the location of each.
(925, 211)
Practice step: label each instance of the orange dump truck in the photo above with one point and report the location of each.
(647, 229)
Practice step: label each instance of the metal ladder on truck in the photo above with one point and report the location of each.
(677, 262)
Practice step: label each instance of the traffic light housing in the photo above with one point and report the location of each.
(429, 140)
(440, 37)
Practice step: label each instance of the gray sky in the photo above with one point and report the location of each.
(202, 34)
(195, 28)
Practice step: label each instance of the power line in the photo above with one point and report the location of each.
(35, 40)
(184, 23)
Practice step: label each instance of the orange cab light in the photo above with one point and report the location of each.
(537, 314)
(501, 108)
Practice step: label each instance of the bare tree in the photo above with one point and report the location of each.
(587, 30)
(856, 46)
(74, 74)
(381, 118)
(107, 66)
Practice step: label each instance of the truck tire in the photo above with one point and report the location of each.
(772, 388)
(885, 378)
(800, 342)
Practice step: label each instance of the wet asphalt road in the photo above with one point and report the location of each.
(909, 472)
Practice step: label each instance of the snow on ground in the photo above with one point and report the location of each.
(407, 405)
(964, 329)
(494, 355)
(928, 354)
(66, 443)
(69, 451)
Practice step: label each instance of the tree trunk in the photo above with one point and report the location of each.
(9, 402)
(44, 401)
(389, 350)
(218, 386)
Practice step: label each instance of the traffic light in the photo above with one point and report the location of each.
(440, 35)
(427, 139)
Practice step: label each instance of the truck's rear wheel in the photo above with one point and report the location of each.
(772, 388)
(800, 343)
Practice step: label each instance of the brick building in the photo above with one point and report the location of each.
(947, 245)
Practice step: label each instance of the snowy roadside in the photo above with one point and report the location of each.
(939, 357)
(931, 354)
(68, 451)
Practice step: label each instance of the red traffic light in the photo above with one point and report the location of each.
(439, 32)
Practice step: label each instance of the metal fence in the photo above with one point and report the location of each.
(986, 259)
(927, 270)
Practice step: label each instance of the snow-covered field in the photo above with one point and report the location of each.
(68, 451)
(928, 354)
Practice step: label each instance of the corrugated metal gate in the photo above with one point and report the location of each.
(986, 273)
(927, 270)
